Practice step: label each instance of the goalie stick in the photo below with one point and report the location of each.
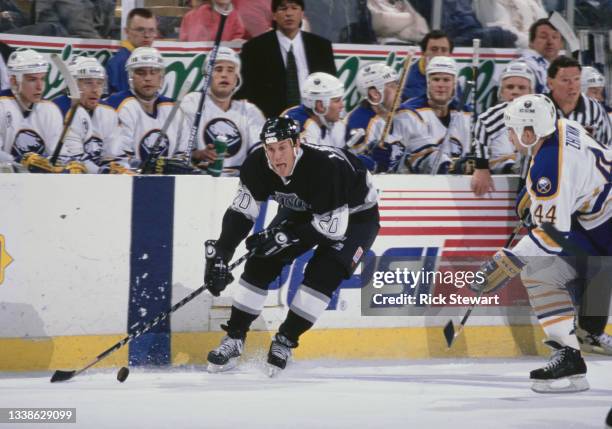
(75, 96)
(60, 375)
(147, 165)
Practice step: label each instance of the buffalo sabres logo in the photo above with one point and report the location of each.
(227, 128)
(149, 145)
(543, 185)
(93, 149)
(527, 104)
(27, 141)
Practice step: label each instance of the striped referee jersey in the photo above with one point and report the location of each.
(591, 114)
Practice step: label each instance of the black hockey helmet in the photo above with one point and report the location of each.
(280, 128)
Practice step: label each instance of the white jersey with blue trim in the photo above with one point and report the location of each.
(139, 130)
(37, 130)
(423, 134)
(79, 136)
(570, 178)
(539, 65)
(314, 133)
(241, 124)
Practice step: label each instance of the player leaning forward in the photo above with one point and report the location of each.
(327, 200)
(568, 183)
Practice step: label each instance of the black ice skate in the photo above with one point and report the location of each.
(565, 364)
(279, 354)
(225, 357)
(589, 343)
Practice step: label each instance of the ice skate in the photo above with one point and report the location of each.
(279, 354)
(589, 343)
(225, 357)
(565, 371)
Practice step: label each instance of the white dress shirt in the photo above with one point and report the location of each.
(298, 52)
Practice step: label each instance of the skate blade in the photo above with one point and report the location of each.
(587, 348)
(272, 370)
(575, 383)
(214, 368)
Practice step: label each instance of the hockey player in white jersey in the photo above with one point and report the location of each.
(239, 121)
(30, 126)
(320, 114)
(91, 79)
(593, 85)
(377, 83)
(568, 183)
(142, 112)
(494, 150)
(433, 130)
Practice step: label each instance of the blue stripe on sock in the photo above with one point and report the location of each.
(151, 267)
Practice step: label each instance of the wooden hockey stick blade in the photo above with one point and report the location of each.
(71, 83)
(449, 333)
(566, 31)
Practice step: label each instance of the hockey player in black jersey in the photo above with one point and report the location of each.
(327, 200)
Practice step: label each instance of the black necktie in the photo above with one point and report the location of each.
(293, 84)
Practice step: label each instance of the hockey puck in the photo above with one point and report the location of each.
(123, 373)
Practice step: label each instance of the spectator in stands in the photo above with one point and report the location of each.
(141, 30)
(256, 16)
(512, 15)
(435, 43)
(347, 21)
(544, 45)
(394, 22)
(275, 64)
(200, 25)
(75, 16)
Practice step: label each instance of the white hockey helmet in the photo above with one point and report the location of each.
(86, 68)
(322, 87)
(374, 75)
(226, 54)
(519, 69)
(144, 57)
(27, 61)
(591, 78)
(442, 65)
(532, 110)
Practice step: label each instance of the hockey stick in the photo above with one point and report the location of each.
(566, 32)
(60, 375)
(396, 99)
(449, 330)
(75, 96)
(193, 133)
(146, 166)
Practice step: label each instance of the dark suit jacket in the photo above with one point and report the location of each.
(263, 70)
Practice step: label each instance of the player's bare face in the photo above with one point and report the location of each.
(441, 87)
(513, 87)
(565, 86)
(147, 82)
(334, 110)
(528, 137)
(390, 91)
(547, 42)
(32, 87)
(288, 18)
(91, 91)
(224, 79)
(597, 93)
(281, 156)
(141, 31)
(437, 48)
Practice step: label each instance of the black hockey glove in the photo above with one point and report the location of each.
(271, 241)
(217, 274)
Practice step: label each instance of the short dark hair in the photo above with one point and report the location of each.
(534, 27)
(141, 12)
(561, 62)
(277, 3)
(436, 34)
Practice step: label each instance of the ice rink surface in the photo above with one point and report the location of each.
(465, 393)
